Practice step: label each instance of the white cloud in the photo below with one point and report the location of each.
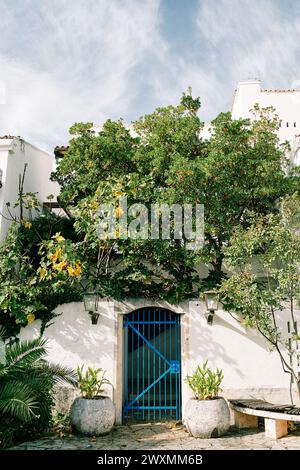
(233, 40)
(78, 60)
(247, 39)
(68, 61)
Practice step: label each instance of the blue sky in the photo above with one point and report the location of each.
(63, 61)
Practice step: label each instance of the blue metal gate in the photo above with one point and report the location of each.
(152, 371)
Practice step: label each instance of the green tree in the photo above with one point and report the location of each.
(93, 158)
(241, 168)
(135, 167)
(266, 258)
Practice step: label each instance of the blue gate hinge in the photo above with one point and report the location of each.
(175, 367)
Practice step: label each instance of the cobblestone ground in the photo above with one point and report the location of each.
(163, 436)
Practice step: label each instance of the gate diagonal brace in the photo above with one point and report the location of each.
(127, 407)
(148, 343)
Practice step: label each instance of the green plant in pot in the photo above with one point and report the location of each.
(92, 414)
(206, 414)
(204, 383)
(91, 382)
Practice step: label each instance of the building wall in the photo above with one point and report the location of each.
(249, 368)
(14, 153)
(285, 101)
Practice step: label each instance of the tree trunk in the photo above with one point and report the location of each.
(217, 264)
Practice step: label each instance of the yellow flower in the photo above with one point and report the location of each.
(77, 269)
(60, 266)
(117, 193)
(43, 272)
(71, 271)
(58, 237)
(74, 271)
(95, 205)
(56, 255)
(30, 318)
(119, 212)
(26, 223)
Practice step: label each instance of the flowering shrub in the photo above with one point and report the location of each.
(58, 260)
(38, 272)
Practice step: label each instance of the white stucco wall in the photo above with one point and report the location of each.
(73, 341)
(285, 101)
(242, 353)
(249, 368)
(14, 153)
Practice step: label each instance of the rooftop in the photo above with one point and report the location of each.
(281, 90)
(9, 137)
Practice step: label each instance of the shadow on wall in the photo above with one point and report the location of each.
(242, 353)
(204, 344)
(73, 340)
(248, 333)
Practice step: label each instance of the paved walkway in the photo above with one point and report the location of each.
(165, 436)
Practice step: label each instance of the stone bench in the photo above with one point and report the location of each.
(275, 421)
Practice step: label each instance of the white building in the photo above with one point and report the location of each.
(14, 154)
(286, 103)
(132, 337)
(148, 347)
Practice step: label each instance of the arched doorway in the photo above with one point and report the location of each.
(152, 365)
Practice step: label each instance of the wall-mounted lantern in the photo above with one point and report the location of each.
(91, 300)
(212, 302)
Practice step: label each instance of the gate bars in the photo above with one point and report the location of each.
(152, 372)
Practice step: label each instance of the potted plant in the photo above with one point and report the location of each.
(206, 415)
(92, 414)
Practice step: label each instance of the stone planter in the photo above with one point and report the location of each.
(207, 418)
(93, 417)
